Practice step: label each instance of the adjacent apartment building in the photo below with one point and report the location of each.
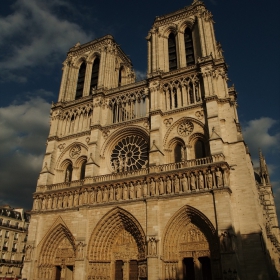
(14, 224)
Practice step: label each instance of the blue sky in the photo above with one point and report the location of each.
(36, 34)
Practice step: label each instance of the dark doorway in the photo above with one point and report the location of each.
(188, 266)
(57, 273)
(205, 268)
(119, 270)
(133, 270)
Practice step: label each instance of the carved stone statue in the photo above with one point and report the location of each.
(115, 164)
(65, 200)
(50, 202)
(209, 179)
(54, 204)
(160, 186)
(111, 194)
(200, 181)
(76, 199)
(152, 187)
(118, 193)
(43, 203)
(131, 191)
(121, 163)
(219, 179)
(184, 182)
(70, 200)
(176, 184)
(81, 199)
(99, 196)
(85, 196)
(80, 250)
(138, 190)
(28, 253)
(92, 195)
(105, 195)
(125, 196)
(145, 189)
(193, 184)
(59, 202)
(168, 185)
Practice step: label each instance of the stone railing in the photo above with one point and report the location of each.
(187, 178)
(140, 172)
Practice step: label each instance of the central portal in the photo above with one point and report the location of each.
(125, 253)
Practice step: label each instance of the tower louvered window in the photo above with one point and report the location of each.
(94, 73)
(172, 52)
(189, 47)
(81, 80)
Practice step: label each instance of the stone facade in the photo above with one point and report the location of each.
(151, 179)
(13, 236)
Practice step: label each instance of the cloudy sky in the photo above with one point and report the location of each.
(36, 34)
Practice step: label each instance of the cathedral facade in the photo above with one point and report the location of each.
(151, 179)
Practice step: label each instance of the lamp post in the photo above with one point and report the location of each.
(230, 274)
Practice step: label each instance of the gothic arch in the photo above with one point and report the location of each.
(64, 157)
(78, 62)
(58, 244)
(171, 28)
(181, 120)
(93, 56)
(105, 233)
(189, 238)
(186, 23)
(120, 134)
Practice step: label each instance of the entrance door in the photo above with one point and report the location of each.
(119, 270)
(133, 270)
(57, 273)
(188, 265)
(205, 268)
(69, 272)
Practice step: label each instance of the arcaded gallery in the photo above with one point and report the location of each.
(151, 180)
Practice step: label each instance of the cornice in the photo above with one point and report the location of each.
(122, 124)
(80, 134)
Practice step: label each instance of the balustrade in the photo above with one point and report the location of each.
(181, 178)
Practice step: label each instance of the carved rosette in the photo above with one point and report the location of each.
(75, 151)
(185, 128)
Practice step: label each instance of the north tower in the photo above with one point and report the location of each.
(151, 179)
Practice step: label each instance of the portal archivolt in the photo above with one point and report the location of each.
(189, 246)
(117, 248)
(57, 255)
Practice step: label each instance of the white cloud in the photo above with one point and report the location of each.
(140, 75)
(23, 132)
(258, 136)
(38, 36)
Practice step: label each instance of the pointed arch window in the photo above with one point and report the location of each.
(95, 73)
(189, 47)
(68, 173)
(81, 81)
(83, 170)
(121, 74)
(178, 156)
(199, 149)
(172, 54)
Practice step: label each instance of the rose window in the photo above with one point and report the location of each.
(185, 129)
(129, 154)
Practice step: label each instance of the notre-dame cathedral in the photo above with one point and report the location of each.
(151, 179)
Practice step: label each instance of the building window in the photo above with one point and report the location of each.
(179, 153)
(199, 148)
(68, 173)
(81, 81)
(83, 170)
(189, 47)
(129, 154)
(94, 73)
(172, 52)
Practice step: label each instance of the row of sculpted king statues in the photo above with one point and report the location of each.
(163, 185)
